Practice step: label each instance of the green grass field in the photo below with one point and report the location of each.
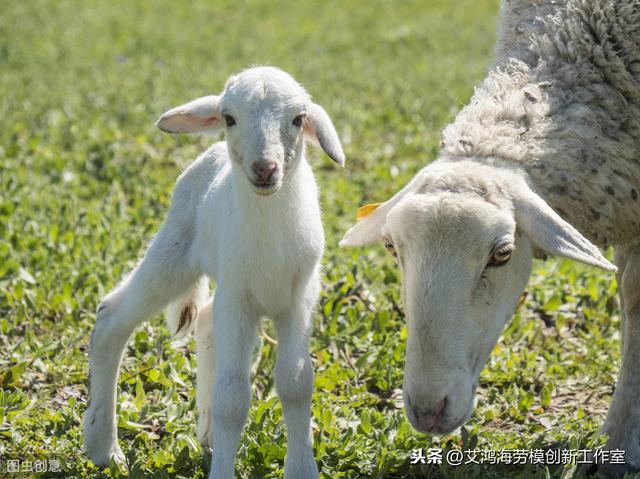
(85, 179)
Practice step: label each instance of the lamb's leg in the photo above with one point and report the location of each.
(623, 420)
(162, 275)
(204, 372)
(294, 383)
(234, 334)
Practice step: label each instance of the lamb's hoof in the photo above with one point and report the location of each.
(204, 430)
(113, 455)
(100, 445)
(303, 466)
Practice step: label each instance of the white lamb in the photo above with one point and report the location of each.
(246, 214)
(551, 139)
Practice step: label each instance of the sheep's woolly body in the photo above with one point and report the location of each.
(563, 104)
(555, 126)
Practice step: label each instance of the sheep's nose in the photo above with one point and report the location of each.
(429, 418)
(264, 169)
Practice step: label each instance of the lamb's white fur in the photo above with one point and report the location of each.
(551, 139)
(261, 243)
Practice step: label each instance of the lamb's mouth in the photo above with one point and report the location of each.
(265, 188)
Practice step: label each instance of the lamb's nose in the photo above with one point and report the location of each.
(428, 419)
(264, 169)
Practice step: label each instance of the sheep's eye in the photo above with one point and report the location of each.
(391, 248)
(500, 256)
(229, 120)
(297, 121)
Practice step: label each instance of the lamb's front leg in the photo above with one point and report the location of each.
(623, 420)
(294, 383)
(234, 334)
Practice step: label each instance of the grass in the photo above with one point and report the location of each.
(86, 178)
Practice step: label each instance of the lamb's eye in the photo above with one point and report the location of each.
(391, 248)
(229, 120)
(297, 121)
(500, 256)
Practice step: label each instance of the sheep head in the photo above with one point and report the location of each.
(464, 235)
(266, 116)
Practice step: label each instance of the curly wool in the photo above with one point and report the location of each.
(562, 103)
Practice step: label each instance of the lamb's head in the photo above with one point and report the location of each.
(266, 115)
(464, 236)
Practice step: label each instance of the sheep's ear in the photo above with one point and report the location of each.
(198, 116)
(550, 233)
(368, 229)
(318, 127)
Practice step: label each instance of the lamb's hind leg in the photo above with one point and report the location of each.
(163, 275)
(204, 372)
(623, 420)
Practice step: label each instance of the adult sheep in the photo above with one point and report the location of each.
(544, 159)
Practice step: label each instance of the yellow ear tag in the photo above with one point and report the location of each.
(366, 210)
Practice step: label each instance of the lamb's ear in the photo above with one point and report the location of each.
(369, 228)
(550, 233)
(318, 127)
(198, 116)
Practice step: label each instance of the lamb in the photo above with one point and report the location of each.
(245, 214)
(545, 159)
